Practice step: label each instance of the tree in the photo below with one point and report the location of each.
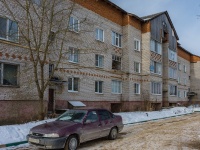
(44, 28)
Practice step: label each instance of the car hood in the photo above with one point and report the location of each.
(52, 127)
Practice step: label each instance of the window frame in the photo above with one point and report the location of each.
(156, 90)
(98, 35)
(116, 39)
(156, 67)
(118, 84)
(7, 32)
(117, 59)
(137, 88)
(2, 68)
(71, 57)
(172, 73)
(137, 65)
(97, 61)
(137, 46)
(72, 25)
(156, 47)
(172, 55)
(184, 68)
(73, 84)
(172, 88)
(98, 87)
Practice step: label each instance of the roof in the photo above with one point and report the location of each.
(151, 17)
(119, 8)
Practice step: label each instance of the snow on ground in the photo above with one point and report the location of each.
(17, 133)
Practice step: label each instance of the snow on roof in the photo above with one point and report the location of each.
(76, 103)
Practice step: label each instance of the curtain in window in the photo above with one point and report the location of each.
(3, 27)
(13, 31)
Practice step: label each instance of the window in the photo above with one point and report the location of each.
(116, 87)
(99, 61)
(136, 88)
(185, 94)
(73, 84)
(9, 30)
(116, 39)
(73, 24)
(172, 32)
(116, 62)
(172, 55)
(73, 55)
(179, 94)
(179, 66)
(185, 81)
(136, 45)
(156, 88)
(98, 86)
(38, 2)
(91, 117)
(51, 69)
(172, 73)
(104, 114)
(137, 67)
(99, 35)
(156, 47)
(172, 90)
(184, 68)
(179, 80)
(8, 74)
(156, 67)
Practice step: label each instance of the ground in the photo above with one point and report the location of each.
(178, 133)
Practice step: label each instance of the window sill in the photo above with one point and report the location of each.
(173, 95)
(73, 62)
(117, 46)
(98, 93)
(99, 41)
(137, 50)
(137, 93)
(156, 94)
(116, 93)
(10, 86)
(9, 41)
(72, 91)
(156, 74)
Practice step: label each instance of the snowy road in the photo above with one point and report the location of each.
(180, 133)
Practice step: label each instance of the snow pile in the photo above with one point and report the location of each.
(17, 133)
(135, 117)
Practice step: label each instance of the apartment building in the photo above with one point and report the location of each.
(122, 63)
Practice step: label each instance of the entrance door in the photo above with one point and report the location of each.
(51, 100)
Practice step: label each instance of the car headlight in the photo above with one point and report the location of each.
(52, 135)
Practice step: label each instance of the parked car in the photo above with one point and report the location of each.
(74, 127)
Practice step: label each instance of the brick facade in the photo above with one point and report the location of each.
(104, 15)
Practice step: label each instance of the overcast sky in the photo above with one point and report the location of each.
(183, 13)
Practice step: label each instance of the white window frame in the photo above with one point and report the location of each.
(98, 35)
(179, 66)
(172, 73)
(156, 47)
(136, 45)
(116, 87)
(74, 24)
(97, 83)
(184, 68)
(116, 58)
(185, 81)
(185, 94)
(172, 55)
(2, 80)
(116, 39)
(156, 67)
(156, 88)
(99, 61)
(179, 79)
(137, 67)
(179, 94)
(9, 37)
(73, 84)
(172, 90)
(73, 55)
(136, 88)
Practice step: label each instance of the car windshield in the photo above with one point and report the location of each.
(73, 115)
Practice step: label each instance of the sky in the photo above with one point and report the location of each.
(183, 13)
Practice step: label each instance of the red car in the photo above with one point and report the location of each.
(74, 127)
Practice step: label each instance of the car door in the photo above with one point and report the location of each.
(91, 127)
(106, 122)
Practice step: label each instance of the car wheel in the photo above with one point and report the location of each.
(113, 133)
(72, 143)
